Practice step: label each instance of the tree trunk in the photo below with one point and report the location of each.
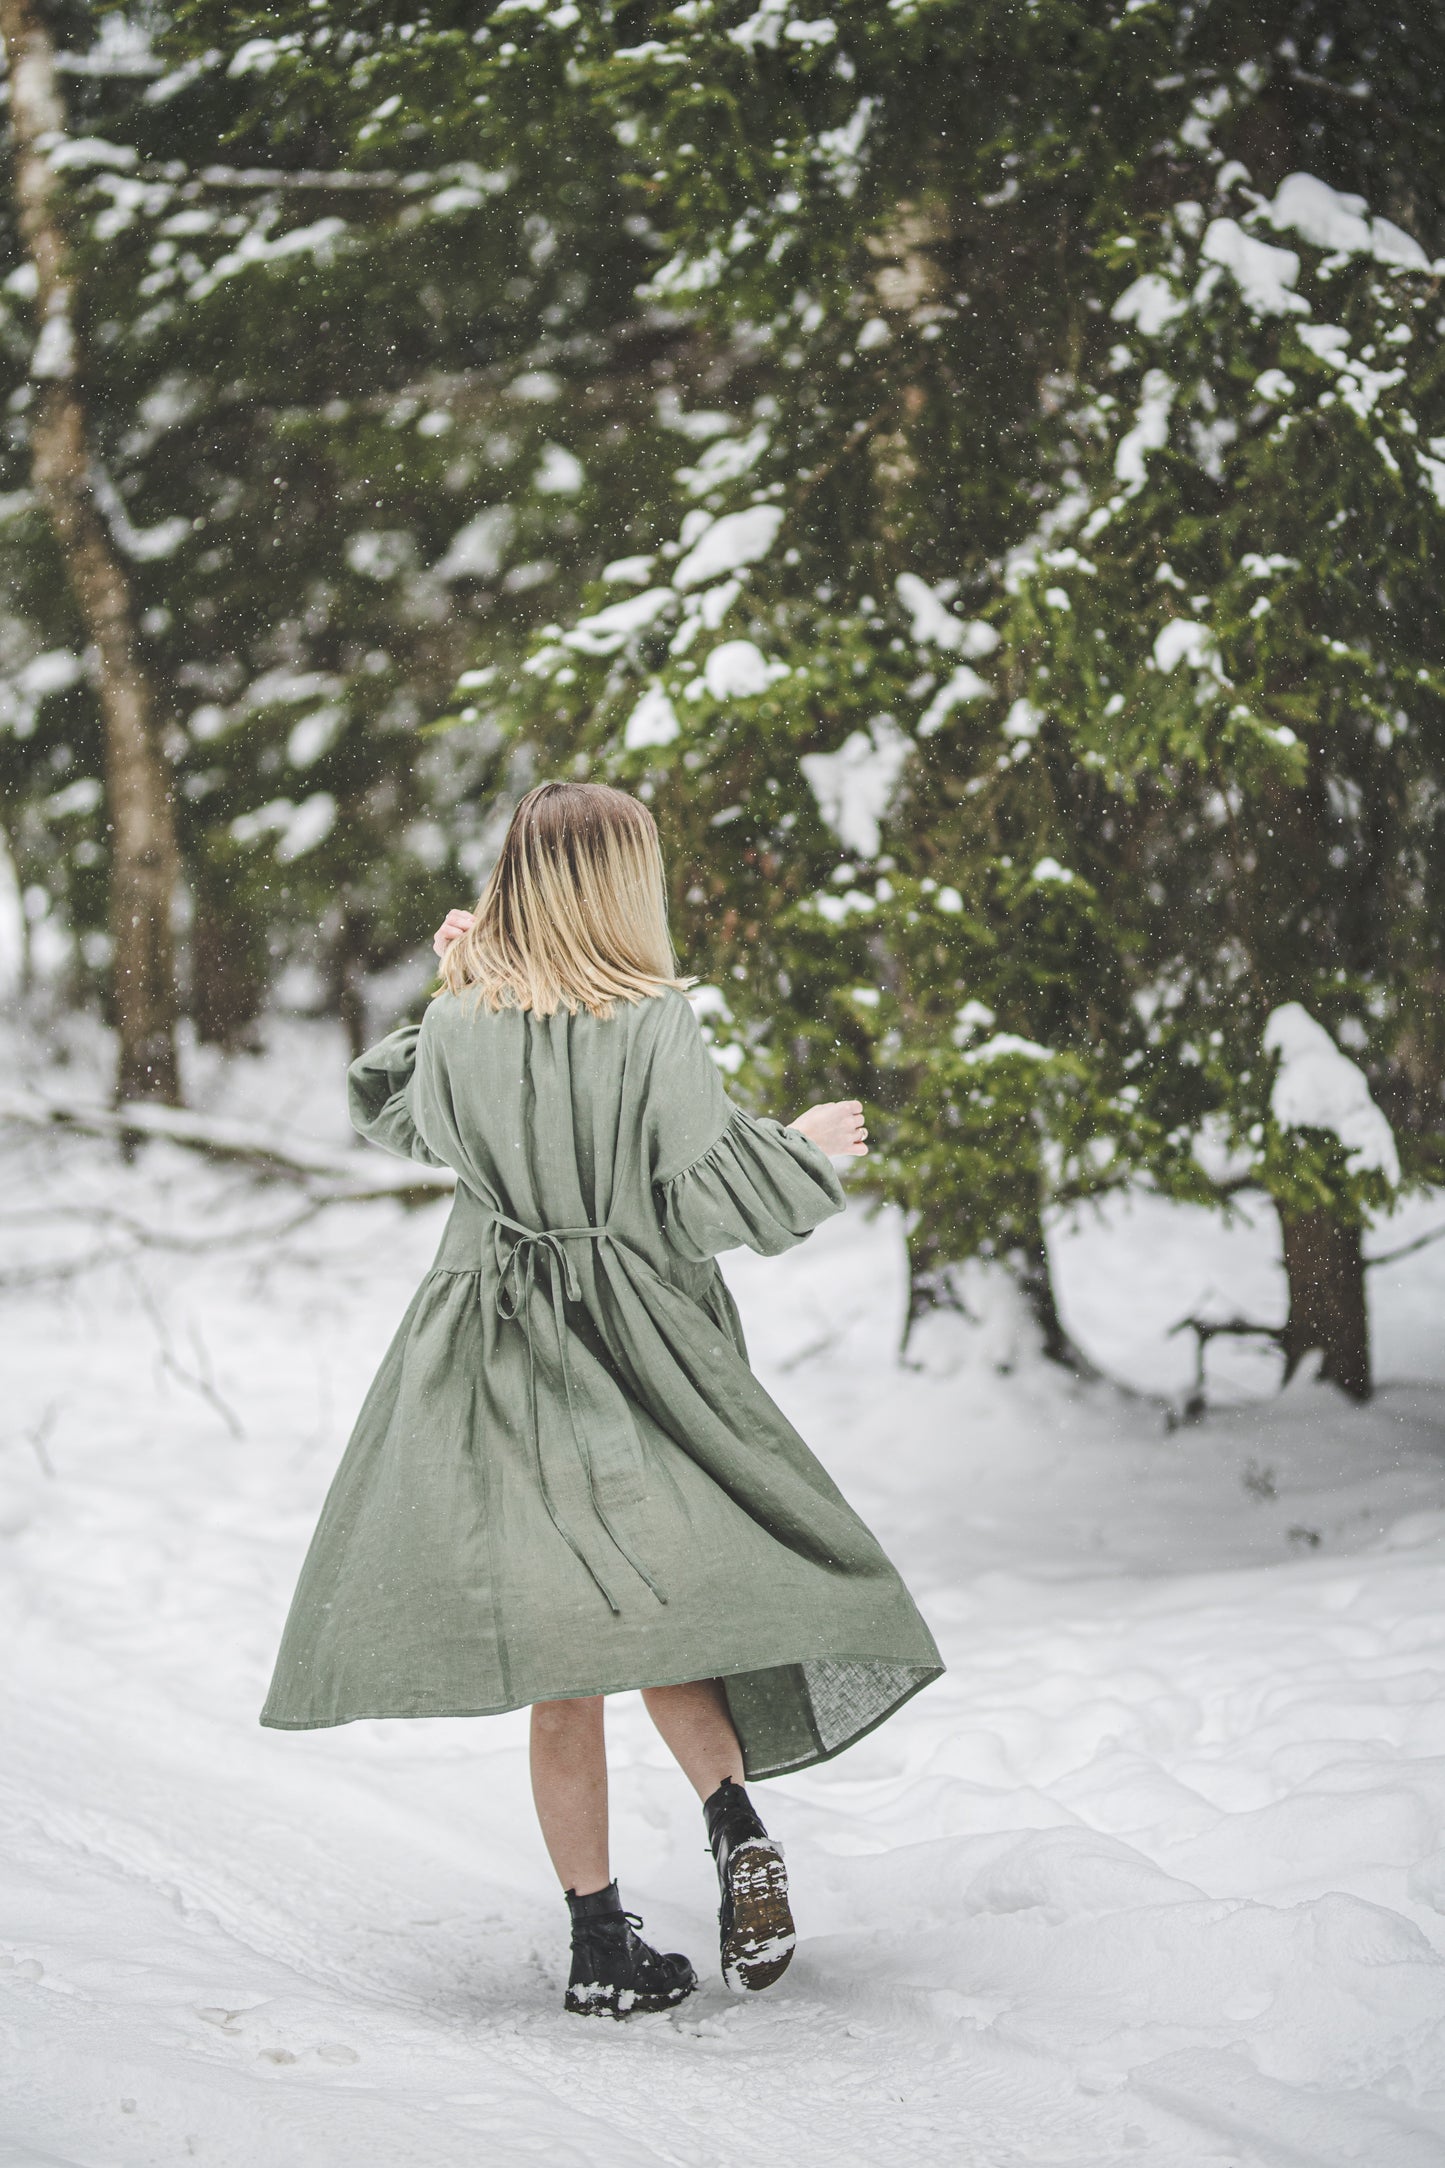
(1325, 1267)
(1031, 1266)
(144, 862)
(25, 956)
(933, 1285)
(228, 974)
(347, 972)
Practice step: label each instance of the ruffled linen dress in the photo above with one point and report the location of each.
(565, 1478)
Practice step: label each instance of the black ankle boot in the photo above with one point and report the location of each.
(614, 1972)
(755, 1925)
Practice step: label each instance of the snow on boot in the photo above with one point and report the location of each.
(614, 1972)
(754, 1921)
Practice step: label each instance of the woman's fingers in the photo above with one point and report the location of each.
(452, 927)
(853, 1127)
(836, 1127)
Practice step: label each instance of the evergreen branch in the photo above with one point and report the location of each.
(858, 436)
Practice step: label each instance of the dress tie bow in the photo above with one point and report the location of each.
(521, 1252)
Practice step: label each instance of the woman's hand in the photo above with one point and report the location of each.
(836, 1128)
(452, 927)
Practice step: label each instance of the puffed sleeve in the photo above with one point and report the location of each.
(378, 1093)
(724, 1179)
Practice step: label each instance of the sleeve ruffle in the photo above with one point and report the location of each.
(760, 1187)
(378, 1094)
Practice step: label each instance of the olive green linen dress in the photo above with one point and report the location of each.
(565, 1478)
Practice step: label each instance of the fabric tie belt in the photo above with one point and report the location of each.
(522, 1252)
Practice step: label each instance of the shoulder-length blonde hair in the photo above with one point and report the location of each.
(575, 913)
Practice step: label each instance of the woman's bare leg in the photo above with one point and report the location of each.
(698, 1730)
(569, 1785)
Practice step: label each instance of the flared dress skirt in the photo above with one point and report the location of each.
(565, 1479)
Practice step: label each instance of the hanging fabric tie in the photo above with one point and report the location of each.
(521, 1252)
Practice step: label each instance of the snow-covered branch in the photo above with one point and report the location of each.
(327, 1177)
(247, 179)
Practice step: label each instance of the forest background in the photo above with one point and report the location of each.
(977, 469)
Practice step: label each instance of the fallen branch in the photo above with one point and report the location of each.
(1206, 1329)
(327, 1177)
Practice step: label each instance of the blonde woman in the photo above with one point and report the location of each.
(565, 1481)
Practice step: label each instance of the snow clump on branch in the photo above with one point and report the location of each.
(854, 787)
(1318, 1087)
(934, 625)
(737, 539)
(652, 722)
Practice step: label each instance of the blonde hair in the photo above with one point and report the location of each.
(575, 913)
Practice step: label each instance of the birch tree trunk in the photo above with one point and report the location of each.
(144, 863)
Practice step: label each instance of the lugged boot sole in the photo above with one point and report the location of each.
(759, 1944)
(623, 2002)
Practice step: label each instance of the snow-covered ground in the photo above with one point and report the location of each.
(1156, 1873)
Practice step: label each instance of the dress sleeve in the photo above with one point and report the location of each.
(761, 1186)
(723, 1179)
(378, 1093)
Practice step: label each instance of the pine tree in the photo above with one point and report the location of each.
(825, 304)
(333, 437)
(62, 460)
(1240, 630)
(1052, 852)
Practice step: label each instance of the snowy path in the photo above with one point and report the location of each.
(1156, 1873)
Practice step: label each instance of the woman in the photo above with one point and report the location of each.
(565, 1480)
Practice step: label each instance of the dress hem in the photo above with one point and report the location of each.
(926, 1676)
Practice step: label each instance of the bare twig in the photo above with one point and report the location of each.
(197, 1381)
(68, 1268)
(156, 1238)
(805, 1354)
(1408, 1249)
(39, 1438)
